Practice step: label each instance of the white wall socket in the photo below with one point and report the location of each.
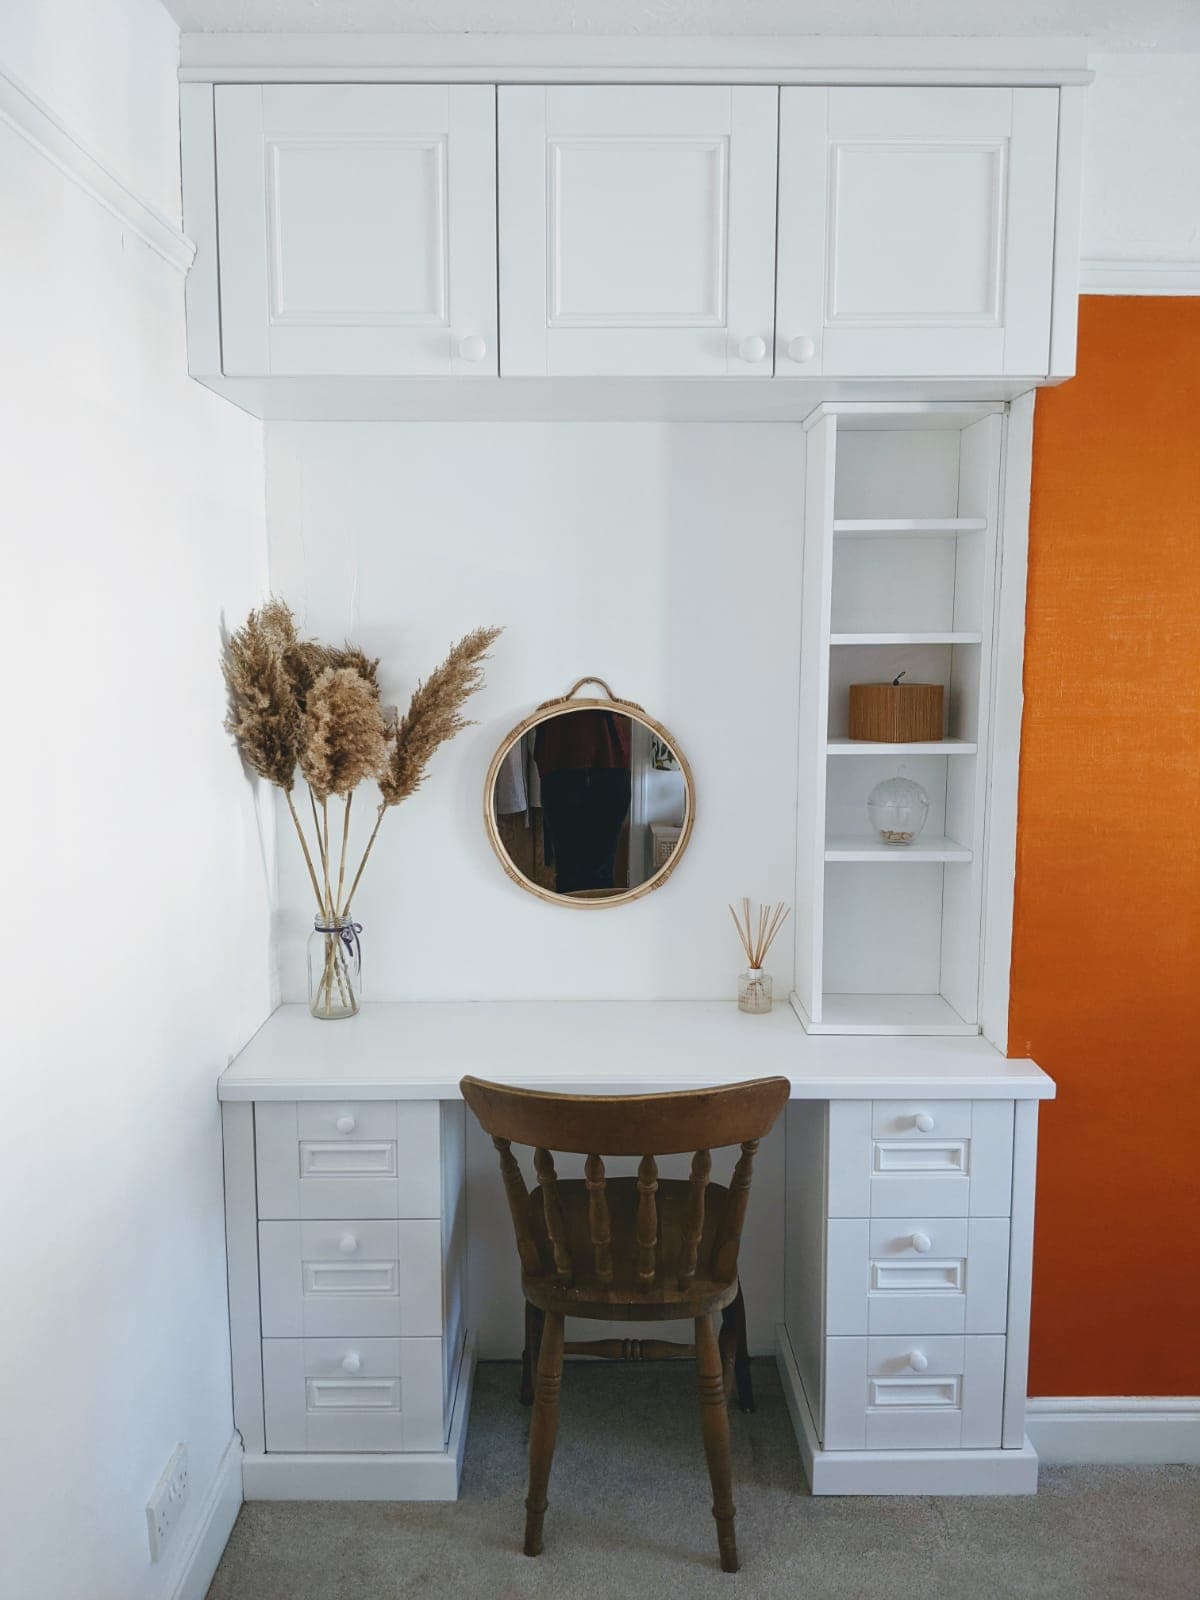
(166, 1504)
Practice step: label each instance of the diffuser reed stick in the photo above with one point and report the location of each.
(758, 934)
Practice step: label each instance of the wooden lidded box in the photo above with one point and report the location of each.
(896, 713)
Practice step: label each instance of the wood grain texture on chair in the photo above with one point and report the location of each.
(630, 1249)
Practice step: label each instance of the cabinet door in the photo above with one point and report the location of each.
(357, 229)
(637, 230)
(916, 231)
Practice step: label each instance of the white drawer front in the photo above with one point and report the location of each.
(364, 1277)
(914, 1392)
(371, 1158)
(353, 1394)
(939, 1158)
(917, 1274)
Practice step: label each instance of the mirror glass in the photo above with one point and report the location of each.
(589, 802)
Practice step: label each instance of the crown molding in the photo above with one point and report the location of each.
(636, 58)
(26, 114)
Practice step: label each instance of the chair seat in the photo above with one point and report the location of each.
(623, 1298)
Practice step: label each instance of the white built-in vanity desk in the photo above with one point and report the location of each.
(905, 1175)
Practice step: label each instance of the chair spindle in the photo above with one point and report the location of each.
(518, 1199)
(693, 1222)
(556, 1228)
(646, 1231)
(725, 1251)
(599, 1226)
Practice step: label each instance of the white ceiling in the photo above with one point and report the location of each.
(1110, 24)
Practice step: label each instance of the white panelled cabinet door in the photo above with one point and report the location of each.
(357, 227)
(637, 230)
(916, 231)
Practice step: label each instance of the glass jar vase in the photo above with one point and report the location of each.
(754, 990)
(334, 967)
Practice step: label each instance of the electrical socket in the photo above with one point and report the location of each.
(166, 1504)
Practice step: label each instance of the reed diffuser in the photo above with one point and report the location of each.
(757, 933)
(298, 706)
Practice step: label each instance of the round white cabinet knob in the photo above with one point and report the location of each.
(753, 348)
(348, 1244)
(918, 1360)
(472, 348)
(801, 349)
(351, 1362)
(923, 1122)
(922, 1243)
(345, 1123)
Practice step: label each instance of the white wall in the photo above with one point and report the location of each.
(665, 557)
(1141, 197)
(137, 937)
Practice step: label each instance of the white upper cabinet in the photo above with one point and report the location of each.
(916, 231)
(637, 230)
(357, 229)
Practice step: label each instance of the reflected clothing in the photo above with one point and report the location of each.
(583, 761)
(583, 813)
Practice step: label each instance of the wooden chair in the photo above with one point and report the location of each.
(631, 1249)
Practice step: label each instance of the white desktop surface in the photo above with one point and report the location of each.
(420, 1050)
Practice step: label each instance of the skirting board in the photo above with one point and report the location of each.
(217, 1515)
(1118, 1430)
(416, 1475)
(974, 1472)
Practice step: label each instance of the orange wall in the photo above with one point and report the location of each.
(1106, 948)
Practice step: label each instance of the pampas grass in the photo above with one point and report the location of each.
(434, 715)
(298, 704)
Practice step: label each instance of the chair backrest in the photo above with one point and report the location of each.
(645, 1125)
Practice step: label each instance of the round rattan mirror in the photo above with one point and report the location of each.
(589, 802)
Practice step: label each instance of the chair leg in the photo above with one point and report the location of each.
(736, 1352)
(543, 1428)
(714, 1424)
(533, 1341)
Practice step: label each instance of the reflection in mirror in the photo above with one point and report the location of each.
(589, 803)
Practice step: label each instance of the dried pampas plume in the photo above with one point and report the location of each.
(264, 716)
(434, 715)
(343, 732)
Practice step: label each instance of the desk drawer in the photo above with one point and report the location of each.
(344, 1158)
(914, 1393)
(367, 1278)
(916, 1275)
(936, 1158)
(353, 1394)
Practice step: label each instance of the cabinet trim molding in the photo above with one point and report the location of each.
(544, 58)
(32, 118)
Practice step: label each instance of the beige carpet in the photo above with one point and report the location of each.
(629, 1519)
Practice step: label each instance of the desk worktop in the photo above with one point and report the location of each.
(420, 1050)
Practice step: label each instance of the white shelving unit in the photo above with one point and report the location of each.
(899, 575)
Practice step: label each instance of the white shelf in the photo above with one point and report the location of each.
(935, 527)
(923, 747)
(866, 847)
(905, 638)
(888, 1014)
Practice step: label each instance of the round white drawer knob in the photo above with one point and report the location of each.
(801, 349)
(918, 1360)
(351, 1363)
(922, 1243)
(752, 348)
(472, 348)
(348, 1244)
(345, 1123)
(923, 1122)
